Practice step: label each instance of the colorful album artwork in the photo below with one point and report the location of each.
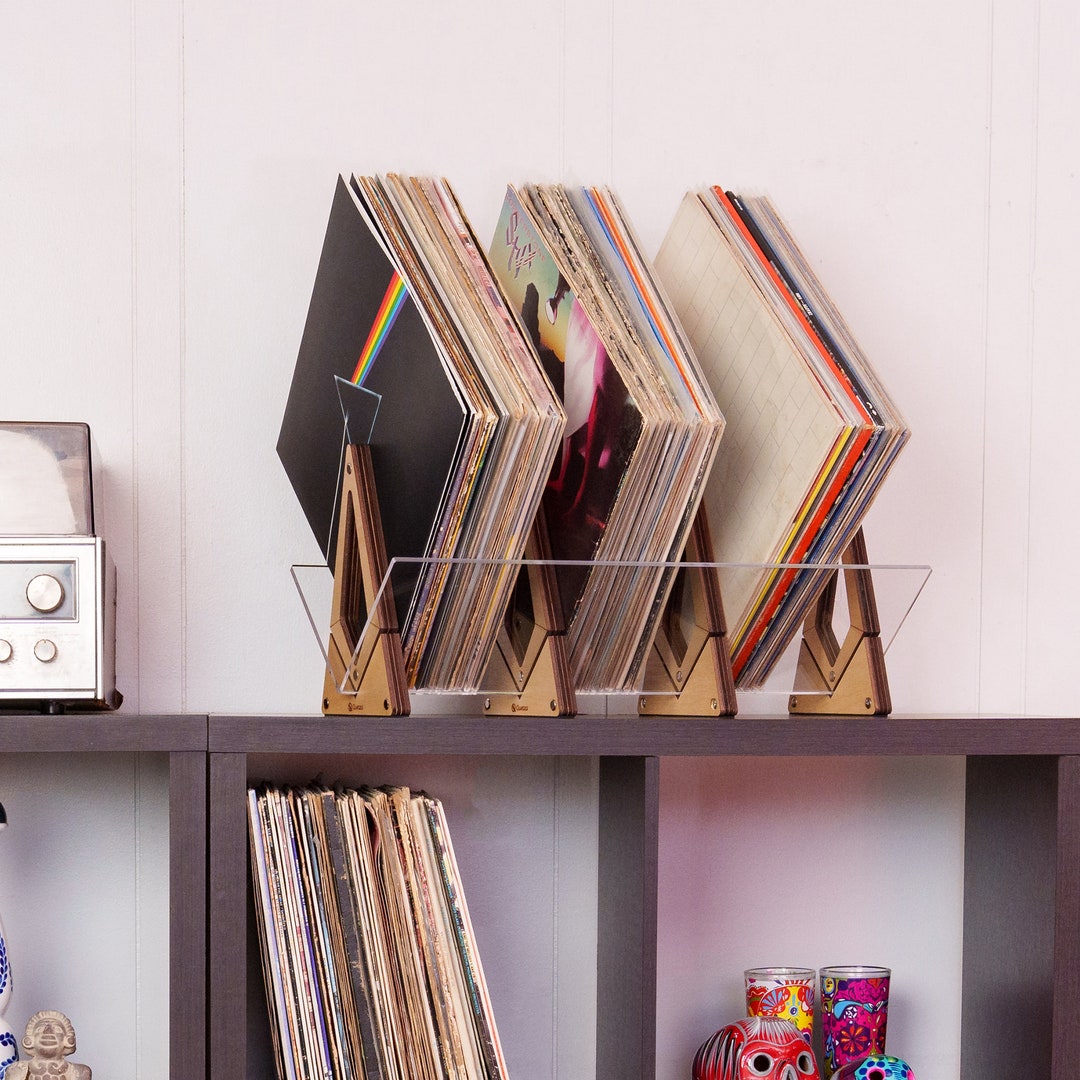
(602, 423)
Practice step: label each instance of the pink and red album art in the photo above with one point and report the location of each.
(603, 424)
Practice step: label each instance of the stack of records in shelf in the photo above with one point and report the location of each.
(369, 958)
(410, 347)
(811, 431)
(642, 425)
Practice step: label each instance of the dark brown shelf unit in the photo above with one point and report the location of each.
(184, 740)
(1022, 858)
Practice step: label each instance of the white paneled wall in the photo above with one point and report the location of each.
(167, 170)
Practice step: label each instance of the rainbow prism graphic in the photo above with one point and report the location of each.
(392, 301)
(359, 406)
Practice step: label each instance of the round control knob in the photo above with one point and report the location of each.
(45, 593)
(5, 651)
(45, 650)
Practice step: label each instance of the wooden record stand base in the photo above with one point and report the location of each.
(849, 678)
(365, 666)
(528, 672)
(688, 670)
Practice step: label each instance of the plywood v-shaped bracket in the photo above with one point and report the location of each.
(845, 678)
(688, 670)
(365, 666)
(529, 672)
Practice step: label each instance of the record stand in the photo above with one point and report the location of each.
(529, 672)
(848, 678)
(688, 670)
(365, 665)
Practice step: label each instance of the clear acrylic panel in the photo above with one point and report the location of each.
(454, 647)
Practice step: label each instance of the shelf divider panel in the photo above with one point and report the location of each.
(627, 907)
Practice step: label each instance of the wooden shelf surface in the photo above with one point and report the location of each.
(606, 736)
(101, 731)
(603, 736)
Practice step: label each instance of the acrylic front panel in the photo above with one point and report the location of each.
(524, 833)
(806, 862)
(84, 899)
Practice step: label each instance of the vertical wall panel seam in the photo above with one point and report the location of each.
(556, 853)
(182, 361)
(611, 93)
(562, 90)
(136, 575)
(987, 286)
(1033, 234)
(996, 194)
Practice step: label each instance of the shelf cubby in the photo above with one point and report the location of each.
(181, 741)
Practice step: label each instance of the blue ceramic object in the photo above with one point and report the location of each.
(875, 1067)
(9, 1045)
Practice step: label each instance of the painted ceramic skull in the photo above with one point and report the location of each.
(875, 1067)
(757, 1048)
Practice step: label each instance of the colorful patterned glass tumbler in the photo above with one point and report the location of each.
(854, 1013)
(786, 992)
(875, 1067)
(756, 1048)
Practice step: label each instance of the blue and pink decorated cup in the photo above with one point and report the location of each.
(854, 1013)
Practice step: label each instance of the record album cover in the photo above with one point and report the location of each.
(368, 372)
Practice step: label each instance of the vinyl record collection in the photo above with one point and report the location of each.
(642, 425)
(566, 378)
(409, 346)
(369, 959)
(811, 432)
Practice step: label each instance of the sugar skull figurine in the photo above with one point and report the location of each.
(875, 1067)
(757, 1048)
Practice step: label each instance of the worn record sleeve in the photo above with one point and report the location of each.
(359, 1001)
(271, 936)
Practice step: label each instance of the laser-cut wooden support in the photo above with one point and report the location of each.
(365, 667)
(849, 678)
(529, 671)
(688, 671)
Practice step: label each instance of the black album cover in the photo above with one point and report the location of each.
(369, 371)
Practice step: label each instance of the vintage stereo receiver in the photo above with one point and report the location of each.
(57, 583)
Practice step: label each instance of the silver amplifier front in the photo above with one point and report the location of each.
(57, 623)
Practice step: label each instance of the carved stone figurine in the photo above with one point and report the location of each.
(48, 1040)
